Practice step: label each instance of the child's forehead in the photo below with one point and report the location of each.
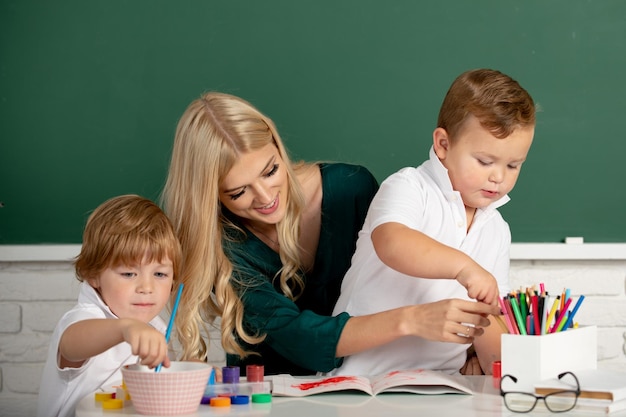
(145, 258)
(470, 128)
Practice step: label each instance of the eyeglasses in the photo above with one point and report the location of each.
(556, 402)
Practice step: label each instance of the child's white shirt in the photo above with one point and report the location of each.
(61, 389)
(421, 198)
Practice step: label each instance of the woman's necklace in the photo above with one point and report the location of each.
(265, 236)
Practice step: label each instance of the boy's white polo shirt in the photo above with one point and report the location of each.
(61, 389)
(421, 198)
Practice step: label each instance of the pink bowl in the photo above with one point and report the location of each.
(172, 391)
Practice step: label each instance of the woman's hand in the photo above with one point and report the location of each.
(453, 320)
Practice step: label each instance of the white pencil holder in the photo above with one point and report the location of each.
(534, 358)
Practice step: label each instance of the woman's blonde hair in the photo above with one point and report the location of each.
(212, 134)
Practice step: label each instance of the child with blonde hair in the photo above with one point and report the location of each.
(127, 264)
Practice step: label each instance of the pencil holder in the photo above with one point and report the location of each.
(531, 359)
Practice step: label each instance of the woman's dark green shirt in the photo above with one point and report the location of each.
(302, 336)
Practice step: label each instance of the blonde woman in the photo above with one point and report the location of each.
(266, 244)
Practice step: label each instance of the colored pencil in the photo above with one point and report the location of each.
(168, 332)
(561, 316)
(570, 318)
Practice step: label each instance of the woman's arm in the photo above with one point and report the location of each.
(438, 321)
(315, 342)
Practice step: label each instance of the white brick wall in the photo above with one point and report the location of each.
(36, 289)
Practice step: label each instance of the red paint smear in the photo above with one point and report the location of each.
(328, 381)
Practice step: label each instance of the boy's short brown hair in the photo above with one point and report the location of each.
(499, 103)
(126, 230)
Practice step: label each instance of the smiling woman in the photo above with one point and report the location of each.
(252, 190)
(267, 214)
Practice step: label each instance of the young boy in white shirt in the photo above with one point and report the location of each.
(128, 260)
(432, 229)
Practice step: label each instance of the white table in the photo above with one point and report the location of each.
(486, 402)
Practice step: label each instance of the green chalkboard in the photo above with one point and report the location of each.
(91, 91)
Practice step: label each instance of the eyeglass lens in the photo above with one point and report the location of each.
(521, 402)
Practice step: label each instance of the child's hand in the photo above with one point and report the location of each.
(147, 343)
(480, 284)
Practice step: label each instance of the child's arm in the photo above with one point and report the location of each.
(487, 346)
(471, 366)
(87, 338)
(413, 253)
